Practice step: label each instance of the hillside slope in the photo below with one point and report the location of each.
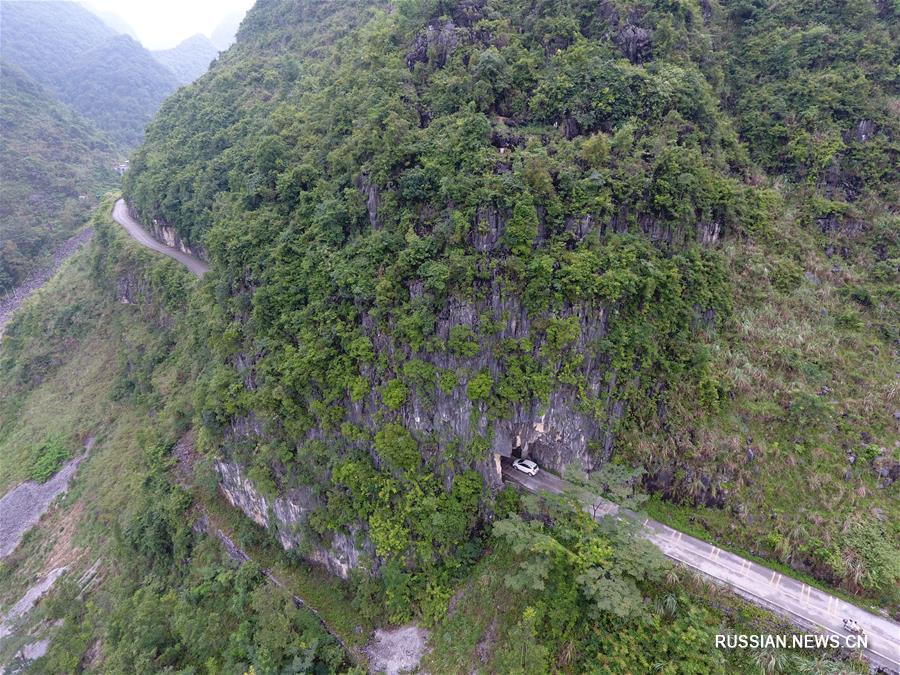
(110, 79)
(118, 85)
(43, 38)
(52, 164)
(104, 358)
(627, 232)
(189, 59)
(138, 588)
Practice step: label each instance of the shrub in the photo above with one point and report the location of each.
(394, 394)
(51, 455)
(448, 381)
(462, 342)
(397, 447)
(479, 387)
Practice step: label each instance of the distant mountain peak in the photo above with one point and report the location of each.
(106, 76)
(189, 59)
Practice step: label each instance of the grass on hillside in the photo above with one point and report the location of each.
(328, 595)
(809, 367)
(80, 365)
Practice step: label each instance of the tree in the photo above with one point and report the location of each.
(560, 544)
(615, 482)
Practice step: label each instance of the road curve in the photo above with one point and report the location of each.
(121, 215)
(805, 606)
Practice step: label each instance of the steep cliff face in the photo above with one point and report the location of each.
(286, 516)
(442, 231)
(169, 236)
(507, 271)
(556, 429)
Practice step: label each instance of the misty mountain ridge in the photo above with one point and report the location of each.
(189, 59)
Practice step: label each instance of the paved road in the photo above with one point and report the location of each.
(803, 605)
(120, 215)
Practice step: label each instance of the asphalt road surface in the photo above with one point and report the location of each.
(140, 235)
(805, 606)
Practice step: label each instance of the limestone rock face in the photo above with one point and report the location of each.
(167, 234)
(433, 46)
(286, 517)
(635, 42)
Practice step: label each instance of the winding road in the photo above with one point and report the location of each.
(121, 215)
(807, 607)
(803, 605)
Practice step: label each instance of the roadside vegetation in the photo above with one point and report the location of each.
(560, 592)
(672, 224)
(543, 588)
(144, 592)
(428, 225)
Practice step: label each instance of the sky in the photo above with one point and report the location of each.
(160, 24)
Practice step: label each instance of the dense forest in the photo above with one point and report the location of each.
(453, 228)
(651, 244)
(52, 163)
(108, 78)
(105, 357)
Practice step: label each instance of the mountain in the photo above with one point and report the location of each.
(52, 164)
(652, 246)
(189, 59)
(223, 35)
(572, 230)
(110, 79)
(43, 38)
(118, 85)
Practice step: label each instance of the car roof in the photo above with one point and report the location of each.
(527, 461)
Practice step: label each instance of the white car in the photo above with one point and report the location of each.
(526, 466)
(853, 627)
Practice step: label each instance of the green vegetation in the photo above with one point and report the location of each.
(645, 215)
(50, 456)
(107, 78)
(159, 595)
(52, 164)
(670, 225)
(560, 592)
(189, 59)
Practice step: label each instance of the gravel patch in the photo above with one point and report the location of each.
(398, 650)
(22, 507)
(35, 650)
(12, 300)
(29, 600)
